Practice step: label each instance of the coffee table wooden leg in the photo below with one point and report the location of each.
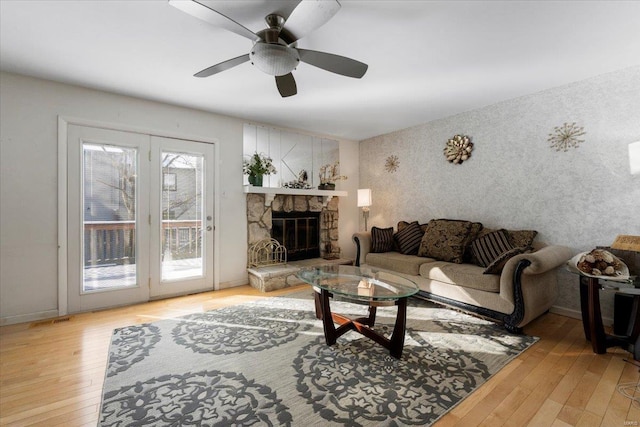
(327, 319)
(397, 338)
(318, 305)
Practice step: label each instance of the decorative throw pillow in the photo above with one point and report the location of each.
(381, 239)
(522, 238)
(445, 239)
(474, 231)
(497, 264)
(408, 239)
(403, 224)
(490, 246)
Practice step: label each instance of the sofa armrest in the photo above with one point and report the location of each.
(363, 246)
(545, 259)
(540, 262)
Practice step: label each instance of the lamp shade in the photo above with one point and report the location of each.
(364, 197)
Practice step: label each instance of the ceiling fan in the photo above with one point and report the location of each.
(275, 50)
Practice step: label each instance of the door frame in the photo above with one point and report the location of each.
(63, 123)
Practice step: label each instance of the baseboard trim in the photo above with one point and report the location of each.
(576, 314)
(22, 318)
(234, 283)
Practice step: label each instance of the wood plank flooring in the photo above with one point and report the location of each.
(51, 372)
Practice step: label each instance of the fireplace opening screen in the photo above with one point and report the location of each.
(299, 232)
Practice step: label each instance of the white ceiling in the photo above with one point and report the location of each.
(427, 59)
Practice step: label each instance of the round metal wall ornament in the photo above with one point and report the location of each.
(392, 163)
(458, 149)
(566, 136)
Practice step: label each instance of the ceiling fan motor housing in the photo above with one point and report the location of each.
(274, 59)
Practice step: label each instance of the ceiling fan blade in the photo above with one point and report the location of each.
(334, 63)
(308, 16)
(215, 69)
(286, 85)
(199, 10)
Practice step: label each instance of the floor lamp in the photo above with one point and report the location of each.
(364, 201)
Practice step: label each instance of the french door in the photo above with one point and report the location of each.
(181, 198)
(139, 217)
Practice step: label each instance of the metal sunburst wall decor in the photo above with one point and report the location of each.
(392, 163)
(458, 149)
(566, 136)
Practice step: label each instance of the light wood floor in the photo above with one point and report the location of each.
(51, 372)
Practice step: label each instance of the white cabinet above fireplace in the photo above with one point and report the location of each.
(271, 192)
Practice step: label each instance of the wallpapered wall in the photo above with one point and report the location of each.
(580, 198)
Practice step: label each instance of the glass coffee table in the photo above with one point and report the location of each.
(362, 285)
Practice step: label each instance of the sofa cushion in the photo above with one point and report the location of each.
(490, 246)
(445, 240)
(395, 261)
(381, 239)
(466, 275)
(408, 239)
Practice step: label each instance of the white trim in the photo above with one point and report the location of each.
(22, 318)
(216, 217)
(235, 283)
(63, 124)
(575, 314)
(271, 192)
(62, 216)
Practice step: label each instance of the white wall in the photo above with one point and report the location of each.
(580, 198)
(29, 110)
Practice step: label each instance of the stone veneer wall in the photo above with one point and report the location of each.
(259, 218)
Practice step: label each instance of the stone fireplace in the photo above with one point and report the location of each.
(260, 223)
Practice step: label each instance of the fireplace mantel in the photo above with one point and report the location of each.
(271, 192)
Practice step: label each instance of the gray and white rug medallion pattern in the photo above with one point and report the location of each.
(266, 363)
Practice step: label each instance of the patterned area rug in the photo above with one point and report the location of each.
(266, 363)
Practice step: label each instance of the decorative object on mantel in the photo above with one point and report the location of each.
(256, 167)
(300, 183)
(458, 149)
(566, 136)
(329, 174)
(392, 164)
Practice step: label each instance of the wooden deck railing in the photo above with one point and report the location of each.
(113, 242)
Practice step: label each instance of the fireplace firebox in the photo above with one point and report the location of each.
(299, 232)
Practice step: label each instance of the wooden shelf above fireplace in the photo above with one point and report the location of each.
(271, 192)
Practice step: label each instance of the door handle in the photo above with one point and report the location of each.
(209, 228)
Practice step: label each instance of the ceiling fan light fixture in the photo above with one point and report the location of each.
(274, 59)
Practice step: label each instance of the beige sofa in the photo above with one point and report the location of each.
(522, 291)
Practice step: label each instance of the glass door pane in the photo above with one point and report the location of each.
(109, 216)
(182, 215)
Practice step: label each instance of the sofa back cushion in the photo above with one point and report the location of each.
(445, 239)
(381, 239)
